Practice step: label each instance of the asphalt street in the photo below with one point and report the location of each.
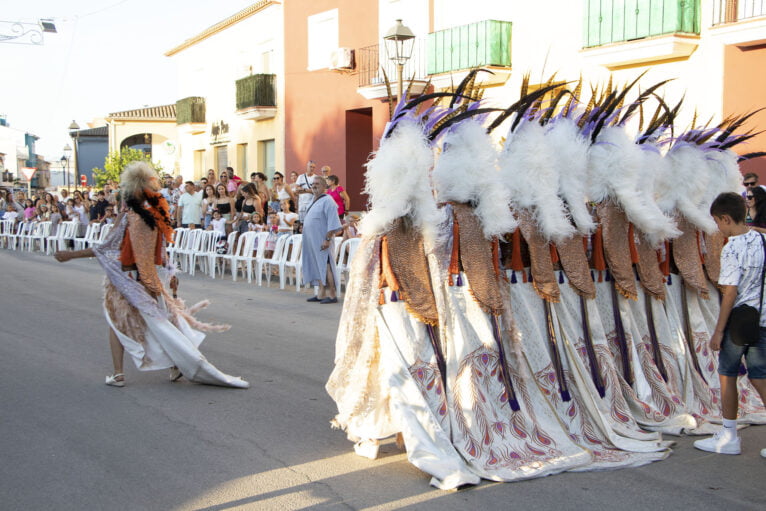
(69, 442)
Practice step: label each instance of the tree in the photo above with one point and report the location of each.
(116, 161)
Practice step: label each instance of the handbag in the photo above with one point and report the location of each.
(745, 320)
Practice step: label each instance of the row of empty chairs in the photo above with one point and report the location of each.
(246, 255)
(31, 236)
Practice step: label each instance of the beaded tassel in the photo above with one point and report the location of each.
(394, 296)
(561, 277)
(513, 277)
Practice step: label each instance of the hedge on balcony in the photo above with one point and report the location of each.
(256, 90)
(190, 109)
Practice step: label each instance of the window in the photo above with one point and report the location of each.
(266, 159)
(242, 169)
(322, 38)
(199, 164)
(221, 158)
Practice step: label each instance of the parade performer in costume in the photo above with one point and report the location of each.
(156, 329)
(559, 325)
(389, 370)
(501, 423)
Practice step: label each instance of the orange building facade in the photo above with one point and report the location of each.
(328, 121)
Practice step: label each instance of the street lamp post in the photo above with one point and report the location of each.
(65, 159)
(400, 41)
(74, 134)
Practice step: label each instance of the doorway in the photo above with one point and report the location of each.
(358, 150)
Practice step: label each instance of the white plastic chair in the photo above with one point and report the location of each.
(102, 234)
(177, 243)
(205, 247)
(346, 255)
(213, 258)
(66, 230)
(39, 233)
(15, 237)
(26, 233)
(91, 233)
(293, 262)
(189, 246)
(244, 254)
(280, 251)
(7, 227)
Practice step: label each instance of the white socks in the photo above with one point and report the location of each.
(730, 427)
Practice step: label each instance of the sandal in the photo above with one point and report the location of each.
(114, 382)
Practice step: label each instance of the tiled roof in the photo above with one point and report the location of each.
(221, 25)
(151, 113)
(101, 131)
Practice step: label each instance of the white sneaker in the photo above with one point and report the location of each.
(763, 453)
(367, 449)
(722, 443)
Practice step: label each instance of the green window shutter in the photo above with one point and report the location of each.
(643, 18)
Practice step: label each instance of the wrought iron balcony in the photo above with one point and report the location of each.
(190, 110)
(613, 21)
(256, 91)
(485, 43)
(731, 11)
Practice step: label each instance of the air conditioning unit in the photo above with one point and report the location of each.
(342, 58)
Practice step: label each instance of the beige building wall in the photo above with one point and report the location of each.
(208, 66)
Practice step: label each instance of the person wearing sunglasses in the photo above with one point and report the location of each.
(755, 200)
(750, 181)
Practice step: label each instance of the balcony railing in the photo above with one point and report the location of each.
(190, 109)
(612, 21)
(256, 90)
(485, 43)
(731, 11)
(370, 58)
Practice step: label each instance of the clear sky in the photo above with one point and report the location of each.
(107, 56)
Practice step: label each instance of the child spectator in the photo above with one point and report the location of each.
(286, 218)
(218, 224)
(741, 278)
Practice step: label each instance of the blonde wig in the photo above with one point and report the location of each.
(135, 177)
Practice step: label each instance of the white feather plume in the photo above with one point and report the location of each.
(616, 170)
(529, 170)
(691, 180)
(397, 183)
(570, 153)
(466, 171)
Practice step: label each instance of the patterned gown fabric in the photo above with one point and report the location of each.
(497, 443)
(386, 352)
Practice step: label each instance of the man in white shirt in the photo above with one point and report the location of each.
(189, 211)
(303, 189)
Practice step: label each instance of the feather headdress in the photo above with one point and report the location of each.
(398, 185)
(467, 172)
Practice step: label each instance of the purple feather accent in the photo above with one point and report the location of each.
(513, 278)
